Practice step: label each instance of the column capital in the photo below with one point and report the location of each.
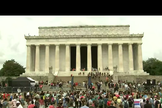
(57, 44)
(99, 43)
(139, 43)
(37, 44)
(77, 44)
(109, 43)
(130, 43)
(120, 43)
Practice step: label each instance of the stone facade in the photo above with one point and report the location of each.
(83, 30)
(116, 47)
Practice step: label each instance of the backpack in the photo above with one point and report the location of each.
(125, 104)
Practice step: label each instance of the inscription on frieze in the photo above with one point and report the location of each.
(88, 30)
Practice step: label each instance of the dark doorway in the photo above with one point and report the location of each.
(73, 58)
(94, 57)
(83, 50)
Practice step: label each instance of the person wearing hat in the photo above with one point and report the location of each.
(18, 104)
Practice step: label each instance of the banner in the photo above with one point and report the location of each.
(89, 81)
(137, 103)
(72, 82)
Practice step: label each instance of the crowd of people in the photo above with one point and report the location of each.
(101, 94)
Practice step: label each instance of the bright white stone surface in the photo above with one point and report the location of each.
(83, 30)
(116, 47)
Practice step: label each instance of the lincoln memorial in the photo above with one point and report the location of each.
(74, 49)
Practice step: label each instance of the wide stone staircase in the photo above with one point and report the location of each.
(78, 79)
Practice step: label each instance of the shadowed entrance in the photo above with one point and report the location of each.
(83, 57)
(73, 57)
(94, 57)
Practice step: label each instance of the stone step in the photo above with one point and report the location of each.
(78, 79)
(75, 73)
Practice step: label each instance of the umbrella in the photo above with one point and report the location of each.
(82, 97)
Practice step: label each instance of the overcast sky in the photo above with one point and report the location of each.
(12, 30)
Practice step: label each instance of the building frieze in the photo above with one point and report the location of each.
(84, 26)
(86, 36)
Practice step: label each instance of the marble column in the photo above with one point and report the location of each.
(120, 51)
(67, 57)
(57, 57)
(89, 58)
(78, 57)
(37, 59)
(28, 59)
(99, 57)
(140, 61)
(110, 57)
(130, 57)
(47, 59)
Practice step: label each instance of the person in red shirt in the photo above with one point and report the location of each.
(31, 105)
(40, 86)
(76, 84)
(109, 102)
(41, 102)
(6, 95)
(51, 106)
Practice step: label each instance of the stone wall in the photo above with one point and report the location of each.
(142, 78)
(83, 30)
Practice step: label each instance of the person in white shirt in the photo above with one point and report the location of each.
(83, 84)
(18, 104)
(126, 87)
(14, 103)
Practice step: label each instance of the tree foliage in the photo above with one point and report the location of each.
(11, 68)
(153, 66)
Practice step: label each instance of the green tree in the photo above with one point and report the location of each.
(11, 68)
(153, 66)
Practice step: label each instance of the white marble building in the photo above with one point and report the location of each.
(115, 47)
